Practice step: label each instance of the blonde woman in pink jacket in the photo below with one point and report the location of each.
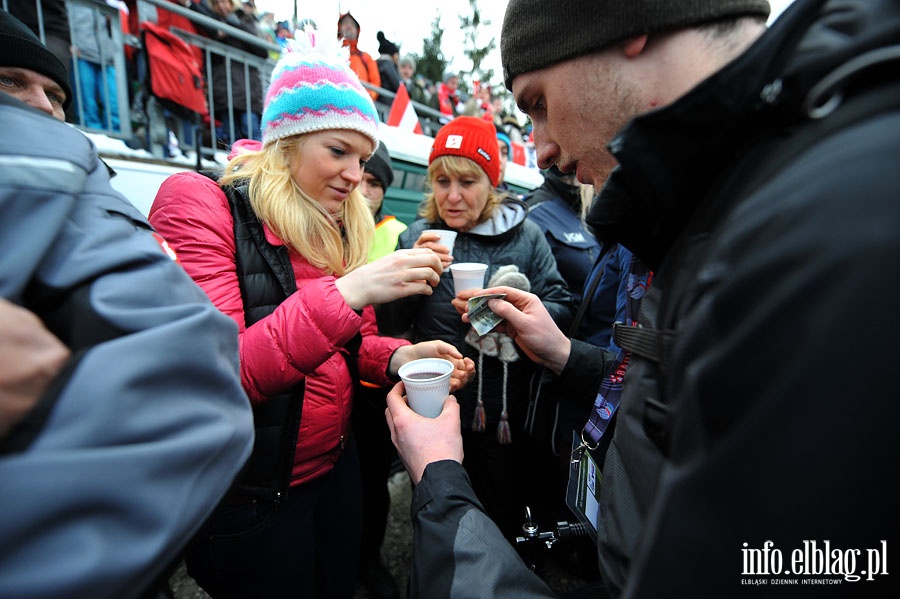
(280, 244)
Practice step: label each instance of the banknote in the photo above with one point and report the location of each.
(480, 316)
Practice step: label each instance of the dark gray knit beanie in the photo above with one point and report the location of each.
(538, 33)
(20, 47)
(379, 165)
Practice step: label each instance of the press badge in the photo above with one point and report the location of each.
(583, 491)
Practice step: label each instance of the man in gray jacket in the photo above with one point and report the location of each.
(140, 434)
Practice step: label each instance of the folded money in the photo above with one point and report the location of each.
(480, 316)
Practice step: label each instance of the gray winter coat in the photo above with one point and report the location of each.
(142, 433)
(505, 239)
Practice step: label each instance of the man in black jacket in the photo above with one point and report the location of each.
(755, 173)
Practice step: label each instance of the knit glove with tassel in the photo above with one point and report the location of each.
(500, 346)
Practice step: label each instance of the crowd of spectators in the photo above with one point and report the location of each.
(99, 42)
(136, 353)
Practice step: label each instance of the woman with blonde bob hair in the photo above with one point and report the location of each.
(280, 244)
(491, 229)
(460, 167)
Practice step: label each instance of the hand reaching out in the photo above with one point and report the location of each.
(461, 301)
(528, 323)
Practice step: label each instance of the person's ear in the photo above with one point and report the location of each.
(635, 45)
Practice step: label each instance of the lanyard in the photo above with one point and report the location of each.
(607, 401)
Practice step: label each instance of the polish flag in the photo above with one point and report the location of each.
(403, 113)
(518, 153)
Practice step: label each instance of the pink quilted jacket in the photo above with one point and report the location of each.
(302, 338)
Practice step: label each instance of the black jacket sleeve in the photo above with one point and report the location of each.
(457, 550)
(584, 371)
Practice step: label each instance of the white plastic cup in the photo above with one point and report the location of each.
(427, 382)
(447, 238)
(468, 275)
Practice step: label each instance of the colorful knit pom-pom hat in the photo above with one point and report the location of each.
(313, 89)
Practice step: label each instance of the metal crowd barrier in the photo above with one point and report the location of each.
(154, 136)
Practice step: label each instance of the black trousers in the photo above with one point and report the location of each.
(307, 547)
(377, 453)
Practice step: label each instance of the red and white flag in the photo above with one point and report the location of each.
(403, 113)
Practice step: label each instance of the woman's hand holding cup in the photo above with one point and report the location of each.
(440, 241)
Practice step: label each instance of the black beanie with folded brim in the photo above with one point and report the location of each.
(386, 46)
(379, 165)
(21, 48)
(537, 34)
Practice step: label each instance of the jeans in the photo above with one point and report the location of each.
(94, 99)
(246, 123)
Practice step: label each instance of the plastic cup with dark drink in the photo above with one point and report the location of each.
(427, 382)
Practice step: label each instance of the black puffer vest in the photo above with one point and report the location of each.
(266, 279)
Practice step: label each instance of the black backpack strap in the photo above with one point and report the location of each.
(656, 346)
(648, 343)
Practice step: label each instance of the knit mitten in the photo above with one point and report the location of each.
(509, 276)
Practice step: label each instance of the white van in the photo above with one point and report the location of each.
(139, 174)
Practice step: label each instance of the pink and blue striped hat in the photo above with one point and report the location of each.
(313, 89)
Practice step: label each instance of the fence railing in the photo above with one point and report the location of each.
(153, 124)
(112, 85)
